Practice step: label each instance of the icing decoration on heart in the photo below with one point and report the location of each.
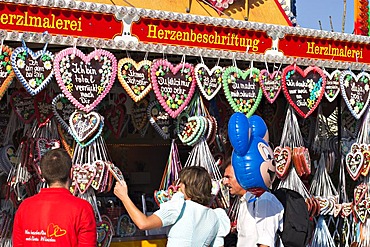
(62, 109)
(23, 105)
(283, 158)
(43, 107)
(361, 211)
(355, 91)
(66, 139)
(367, 204)
(100, 169)
(192, 130)
(33, 69)
(104, 230)
(125, 227)
(115, 171)
(213, 130)
(366, 163)
(324, 204)
(84, 125)
(161, 196)
(115, 118)
(332, 88)
(135, 77)
(354, 163)
(270, 84)
(85, 80)
(209, 81)
(159, 119)
(359, 193)
(173, 86)
(242, 89)
(337, 209)
(83, 175)
(303, 89)
(139, 116)
(6, 70)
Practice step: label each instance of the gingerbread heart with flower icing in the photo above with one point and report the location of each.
(83, 175)
(173, 86)
(270, 84)
(332, 88)
(209, 80)
(85, 80)
(283, 157)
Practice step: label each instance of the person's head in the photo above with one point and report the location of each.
(196, 184)
(230, 181)
(56, 166)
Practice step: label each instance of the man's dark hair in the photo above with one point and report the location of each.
(56, 166)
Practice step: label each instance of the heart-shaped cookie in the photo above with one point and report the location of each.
(84, 126)
(359, 193)
(346, 209)
(62, 109)
(43, 107)
(83, 175)
(192, 130)
(135, 77)
(174, 86)
(361, 211)
(270, 84)
(354, 163)
(355, 91)
(100, 169)
(159, 119)
(332, 87)
(85, 80)
(209, 80)
(105, 231)
(115, 119)
(337, 209)
(125, 227)
(303, 89)
(242, 89)
(283, 158)
(139, 115)
(33, 69)
(6, 70)
(23, 105)
(366, 163)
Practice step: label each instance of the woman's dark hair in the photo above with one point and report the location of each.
(56, 166)
(198, 184)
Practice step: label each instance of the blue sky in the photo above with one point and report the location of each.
(309, 12)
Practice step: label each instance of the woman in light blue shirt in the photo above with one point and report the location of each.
(193, 223)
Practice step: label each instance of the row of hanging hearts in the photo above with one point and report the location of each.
(86, 79)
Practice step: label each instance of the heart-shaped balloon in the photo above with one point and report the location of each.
(283, 157)
(33, 69)
(83, 175)
(242, 89)
(355, 91)
(209, 80)
(115, 119)
(354, 163)
(139, 116)
(159, 119)
(84, 126)
(135, 77)
(332, 87)
(303, 89)
(62, 109)
(6, 70)
(43, 107)
(125, 227)
(85, 80)
(173, 86)
(23, 105)
(270, 84)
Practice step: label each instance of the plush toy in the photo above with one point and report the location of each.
(252, 157)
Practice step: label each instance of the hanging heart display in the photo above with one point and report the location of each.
(355, 91)
(135, 77)
(23, 105)
(303, 89)
(346, 209)
(159, 119)
(174, 86)
(332, 87)
(44, 108)
(139, 116)
(85, 80)
(115, 119)
(62, 109)
(242, 89)
(6, 70)
(83, 175)
(209, 81)
(361, 211)
(85, 126)
(33, 69)
(193, 130)
(270, 84)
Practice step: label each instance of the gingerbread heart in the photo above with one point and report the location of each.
(346, 209)
(125, 227)
(332, 87)
(242, 89)
(44, 145)
(84, 126)
(6, 70)
(303, 89)
(361, 211)
(366, 163)
(270, 84)
(354, 163)
(104, 231)
(23, 105)
(115, 171)
(43, 107)
(139, 115)
(283, 158)
(337, 209)
(135, 77)
(355, 91)
(359, 193)
(62, 109)
(192, 131)
(115, 119)
(209, 80)
(33, 69)
(159, 119)
(174, 86)
(85, 80)
(83, 175)
(100, 169)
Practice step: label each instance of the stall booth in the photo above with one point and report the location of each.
(146, 88)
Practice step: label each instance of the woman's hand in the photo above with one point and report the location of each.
(121, 190)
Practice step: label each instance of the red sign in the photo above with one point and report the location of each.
(200, 35)
(25, 18)
(325, 49)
